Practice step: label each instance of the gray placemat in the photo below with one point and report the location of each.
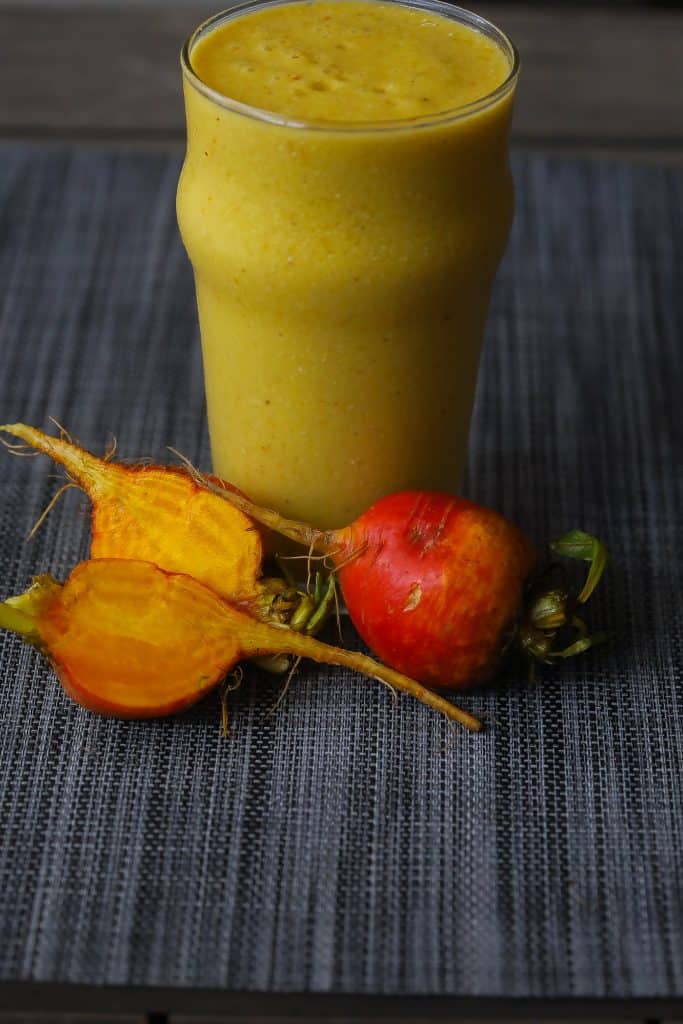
(345, 844)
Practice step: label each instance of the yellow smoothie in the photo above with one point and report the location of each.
(345, 201)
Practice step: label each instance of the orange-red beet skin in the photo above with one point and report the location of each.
(437, 586)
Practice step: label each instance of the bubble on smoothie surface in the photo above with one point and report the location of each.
(349, 61)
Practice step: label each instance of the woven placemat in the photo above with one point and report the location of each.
(345, 844)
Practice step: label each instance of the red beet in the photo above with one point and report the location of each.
(437, 584)
(440, 588)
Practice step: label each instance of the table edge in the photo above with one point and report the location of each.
(66, 997)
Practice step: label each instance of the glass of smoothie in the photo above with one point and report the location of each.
(345, 201)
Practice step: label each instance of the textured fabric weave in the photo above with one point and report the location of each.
(345, 844)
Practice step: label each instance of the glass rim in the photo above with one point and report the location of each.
(448, 10)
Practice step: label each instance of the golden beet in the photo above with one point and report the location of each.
(159, 514)
(128, 639)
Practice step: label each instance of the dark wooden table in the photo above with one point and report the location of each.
(595, 81)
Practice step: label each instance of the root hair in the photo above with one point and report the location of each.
(18, 448)
(283, 690)
(196, 474)
(110, 450)
(63, 432)
(228, 687)
(394, 694)
(351, 557)
(48, 508)
(295, 558)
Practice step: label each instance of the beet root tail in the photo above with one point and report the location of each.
(86, 470)
(322, 653)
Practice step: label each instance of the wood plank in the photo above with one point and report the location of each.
(69, 1019)
(93, 72)
(596, 74)
(590, 77)
(212, 1019)
(68, 998)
